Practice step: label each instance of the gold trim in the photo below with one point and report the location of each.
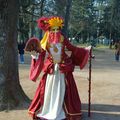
(61, 38)
(31, 112)
(70, 113)
(66, 82)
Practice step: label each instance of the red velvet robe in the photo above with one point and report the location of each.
(72, 103)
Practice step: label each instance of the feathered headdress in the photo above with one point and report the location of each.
(55, 22)
(45, 23)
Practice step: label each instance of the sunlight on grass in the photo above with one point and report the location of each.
(98, 48)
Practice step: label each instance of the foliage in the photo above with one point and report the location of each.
(115, 18)
(88, 18)
(83, 21)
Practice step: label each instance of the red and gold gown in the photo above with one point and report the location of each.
(56, 97)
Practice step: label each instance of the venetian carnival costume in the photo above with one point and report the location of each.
(56, 97)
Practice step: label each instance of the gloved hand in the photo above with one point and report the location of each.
(34, 55)
(88, 48)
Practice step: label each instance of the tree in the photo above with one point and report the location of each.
(11, 93)
(29, 12)
(107, 23)
(60, 7)
(82, 19)
(115, 18)
(67, 16)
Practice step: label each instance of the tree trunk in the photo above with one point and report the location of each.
(41, 14)
(32, 22)
(67, 15)
(11, 93)
(60, 7)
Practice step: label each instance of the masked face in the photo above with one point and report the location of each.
(54, 35)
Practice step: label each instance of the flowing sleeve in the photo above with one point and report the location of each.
(68, 45)
(79, 56)
(36, 66)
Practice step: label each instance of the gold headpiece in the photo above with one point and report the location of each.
(55, 22)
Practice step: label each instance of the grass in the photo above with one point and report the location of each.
(98, 48)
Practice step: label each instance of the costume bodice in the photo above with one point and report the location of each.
(56, 50)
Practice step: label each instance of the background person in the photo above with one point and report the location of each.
(117, 50)
(21, 47)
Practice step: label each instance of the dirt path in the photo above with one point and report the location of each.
(105, 88)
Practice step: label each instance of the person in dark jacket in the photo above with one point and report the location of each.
(117, 50)
(21, 47)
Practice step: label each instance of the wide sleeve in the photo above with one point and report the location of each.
(68, 45)
(79, 55)
(36, 66)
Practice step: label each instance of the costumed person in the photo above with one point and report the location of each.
(56, 97)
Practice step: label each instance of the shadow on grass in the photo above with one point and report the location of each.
(101, 112)
(22, 106)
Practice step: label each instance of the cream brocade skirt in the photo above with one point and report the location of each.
(52, 108)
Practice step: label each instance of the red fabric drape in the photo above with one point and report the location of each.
(72, 103)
